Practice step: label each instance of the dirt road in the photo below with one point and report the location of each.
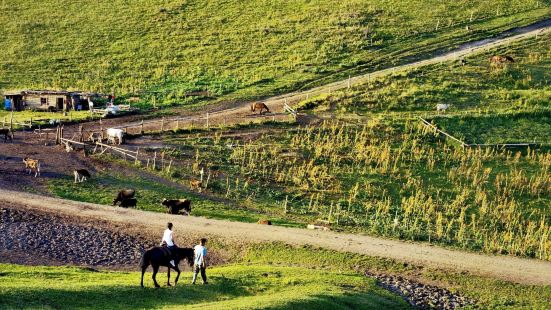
(240, 113)
(527, 271)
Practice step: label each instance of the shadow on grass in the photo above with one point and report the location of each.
(122, 297)
(347, 301)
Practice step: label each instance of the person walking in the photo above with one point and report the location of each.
(200, 261)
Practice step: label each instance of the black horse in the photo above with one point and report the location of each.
(160, 256)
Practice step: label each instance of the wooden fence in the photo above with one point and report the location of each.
(464, 145)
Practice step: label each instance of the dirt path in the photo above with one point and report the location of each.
(527, 271)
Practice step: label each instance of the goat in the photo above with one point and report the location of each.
(114, 134)
(81, 175)
(442, 107)
(196, 184)
(32, 165)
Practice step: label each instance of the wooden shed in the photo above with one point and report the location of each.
(47, 100)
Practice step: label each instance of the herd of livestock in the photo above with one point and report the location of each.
(126, 197)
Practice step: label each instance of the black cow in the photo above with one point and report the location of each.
(129, 202)
(175, 205)
(124, 194)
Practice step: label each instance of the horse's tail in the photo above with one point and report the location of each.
(146, 259)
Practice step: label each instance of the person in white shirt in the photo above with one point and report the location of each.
(200, 261)
(168, 240)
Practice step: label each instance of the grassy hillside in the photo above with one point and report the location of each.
(476, 86)
(236, 48)
(230, 287)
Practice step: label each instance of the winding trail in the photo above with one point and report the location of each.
(526, 271)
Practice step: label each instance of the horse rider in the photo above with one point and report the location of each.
(200, 261)
(168, 240)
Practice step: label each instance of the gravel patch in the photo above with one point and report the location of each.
(422, 296)
(36, 237)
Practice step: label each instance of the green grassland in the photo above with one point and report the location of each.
(164, 48)
(266, 276)
(231, 287)
(476, 86)
(510, 128)
(103, 187)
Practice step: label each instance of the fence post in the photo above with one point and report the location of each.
(11, 121)
(31, 123)
(177, 124)
(141, 130)
(137, 153)
(207, 120)
(348, 81)
(163, 124)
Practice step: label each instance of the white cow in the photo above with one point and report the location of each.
(115, 135)
(442, 107)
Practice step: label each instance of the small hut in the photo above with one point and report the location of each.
(47, 100)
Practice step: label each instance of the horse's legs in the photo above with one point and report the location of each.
(168, 277)
(155, 270)
(177, 276)
(144, 268)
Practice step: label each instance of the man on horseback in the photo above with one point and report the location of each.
(200, 261)
(168, 240)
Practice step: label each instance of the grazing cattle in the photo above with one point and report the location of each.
(129, 202)
(124, 194)
(175, 205)
(442, 107)
(264, 222)
(196, 184)
(115, 135)
(7, 134)
(261, 106)
(32, 165)
(501, 59)
(81, 175)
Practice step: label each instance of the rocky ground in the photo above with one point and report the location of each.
(37, 238)
(420, 295)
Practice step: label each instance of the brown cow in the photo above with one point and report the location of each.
(7, 134)
(501, 59)
(260, 106)
(123, 195)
